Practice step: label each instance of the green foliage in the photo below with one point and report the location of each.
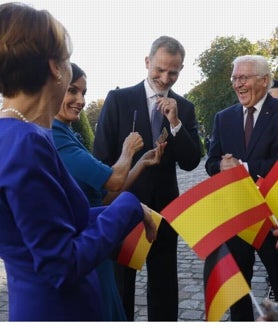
(84, 129)
(92, 111)
(215, 91)
(269, 48)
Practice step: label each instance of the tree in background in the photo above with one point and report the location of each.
(93, 110)
(269, 48)
(84, 131)
(215, 91)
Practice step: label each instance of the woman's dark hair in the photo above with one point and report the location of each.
(77, 72)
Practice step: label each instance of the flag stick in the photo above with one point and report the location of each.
(256, 304)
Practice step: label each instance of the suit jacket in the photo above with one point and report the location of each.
(157, 185)
(228, 137)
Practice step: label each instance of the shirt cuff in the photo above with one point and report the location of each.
(176, 129)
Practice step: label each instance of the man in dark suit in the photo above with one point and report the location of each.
(251, 81)
(132, 107)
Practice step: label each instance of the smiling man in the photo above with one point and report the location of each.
(251, 139)
(160, 113)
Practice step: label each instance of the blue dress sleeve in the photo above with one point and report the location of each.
(47, 207)
(82, 165)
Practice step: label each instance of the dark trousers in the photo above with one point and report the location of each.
(162, 287)
(244, 255)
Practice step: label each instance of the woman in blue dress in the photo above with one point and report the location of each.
(94, 177)
(51, 241)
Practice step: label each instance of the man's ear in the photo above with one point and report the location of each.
(147, 62)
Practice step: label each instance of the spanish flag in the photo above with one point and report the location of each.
(256, 234)
(268, 186)
(217, 209)
(224, 284)
(269, 189)
(136, 247)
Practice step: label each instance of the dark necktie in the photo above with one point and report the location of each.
(249, 124)
(156, 121)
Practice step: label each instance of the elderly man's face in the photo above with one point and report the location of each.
(250, 92)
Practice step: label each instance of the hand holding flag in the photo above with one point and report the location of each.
(135, 247)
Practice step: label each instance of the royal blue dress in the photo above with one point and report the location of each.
(50, 239)
(91, 175)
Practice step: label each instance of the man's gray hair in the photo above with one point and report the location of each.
(260, 64)
(171, 45)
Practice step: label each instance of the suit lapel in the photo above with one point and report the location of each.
(138, 102)
(237, 126)
(261, 123)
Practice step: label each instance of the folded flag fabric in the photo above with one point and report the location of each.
(217, 209)
(224, 284)
(136, 247)
(256, 234)
(268, 186)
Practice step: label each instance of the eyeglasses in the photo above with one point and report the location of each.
(243, 78)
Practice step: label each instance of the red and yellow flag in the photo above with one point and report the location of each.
(224, 284)
(136, 247)
(217, 209)
(269, 188)
(256, 234)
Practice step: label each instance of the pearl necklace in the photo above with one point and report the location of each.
(19, 114)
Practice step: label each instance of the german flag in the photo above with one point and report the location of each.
(217, 209)
(224, 284)
(136, 247)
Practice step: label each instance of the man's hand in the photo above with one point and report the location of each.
(168, 107)
(228, 162)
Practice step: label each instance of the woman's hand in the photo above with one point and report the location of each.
(153, 157)
(150, 226)
(132, 144)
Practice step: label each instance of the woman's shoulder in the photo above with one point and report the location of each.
(17, 129)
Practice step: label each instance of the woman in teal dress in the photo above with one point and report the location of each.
(51, 241)
(100, 182)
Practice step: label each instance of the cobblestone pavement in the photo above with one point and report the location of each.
(190, 273)
(190, 270)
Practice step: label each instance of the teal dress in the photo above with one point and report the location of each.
(91, 175)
